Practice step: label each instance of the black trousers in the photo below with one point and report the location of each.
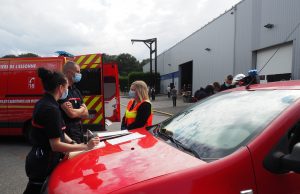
(34, 187)
(174, 100)
(153, 96)
(37, 168)
(39, 164)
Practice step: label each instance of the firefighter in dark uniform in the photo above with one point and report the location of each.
(47, 136)
(73, 107)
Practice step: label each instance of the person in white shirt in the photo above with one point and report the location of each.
(169, 91)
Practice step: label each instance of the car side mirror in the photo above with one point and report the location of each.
(291, 161)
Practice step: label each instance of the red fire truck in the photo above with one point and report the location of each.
(20, 89)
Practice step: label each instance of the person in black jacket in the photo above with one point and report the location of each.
(227, 84)
(217, 87)
(203, 93)
(199, 94)
(174, 95)
(47, 136)
(73, 106)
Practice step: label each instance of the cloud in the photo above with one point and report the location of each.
(105, 26)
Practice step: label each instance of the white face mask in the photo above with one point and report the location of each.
(77, 77)
(65, 94)
(131, 94)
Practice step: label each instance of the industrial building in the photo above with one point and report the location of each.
(243, 38)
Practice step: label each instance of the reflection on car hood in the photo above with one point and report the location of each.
(114, 167)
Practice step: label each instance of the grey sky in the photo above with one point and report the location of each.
(101, 26)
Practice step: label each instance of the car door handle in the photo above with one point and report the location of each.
(249, 191)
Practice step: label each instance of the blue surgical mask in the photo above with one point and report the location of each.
(64, 95)
(131, 94)
(77, 77)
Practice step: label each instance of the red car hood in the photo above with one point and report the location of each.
(114, 167)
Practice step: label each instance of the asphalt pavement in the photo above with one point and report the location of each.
(13, 151)
(164, 104)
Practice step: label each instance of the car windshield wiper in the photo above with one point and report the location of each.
(183, 114)
(177, 143)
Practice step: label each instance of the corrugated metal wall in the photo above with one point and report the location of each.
(234, 38)
(285, 16)
(208, 66)
(243, 39)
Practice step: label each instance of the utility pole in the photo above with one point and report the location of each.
(148, 43)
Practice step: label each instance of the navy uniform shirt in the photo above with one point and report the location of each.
(75, 97)
(47, 122)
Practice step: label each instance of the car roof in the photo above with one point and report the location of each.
(281, 85)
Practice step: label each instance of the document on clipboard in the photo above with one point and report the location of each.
(113, 134)
(122, 139)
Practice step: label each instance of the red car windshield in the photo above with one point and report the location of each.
(221, 124)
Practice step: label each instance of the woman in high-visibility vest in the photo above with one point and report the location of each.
(138, 112)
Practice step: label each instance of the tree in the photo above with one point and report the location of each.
(127, 63)
(24, 55)
(109, 58)
(146, 77)
(123, 81)
(9, 56)
(28, 55)
(144, 62)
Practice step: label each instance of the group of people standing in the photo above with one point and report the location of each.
(56, 124)
(215, 88)
(229, 83)
(56, 120)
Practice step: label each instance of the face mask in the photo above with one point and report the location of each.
(131, 94)
(227, 85)
(77, 77)
(64, 95)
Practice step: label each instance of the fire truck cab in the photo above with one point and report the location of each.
(21, 88)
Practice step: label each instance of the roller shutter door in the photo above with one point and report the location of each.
(280, 66)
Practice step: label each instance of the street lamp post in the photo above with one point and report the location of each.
(148, 43)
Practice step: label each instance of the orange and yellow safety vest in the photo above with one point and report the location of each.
(130, 115)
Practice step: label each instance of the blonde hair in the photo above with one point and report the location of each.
(141, 90)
